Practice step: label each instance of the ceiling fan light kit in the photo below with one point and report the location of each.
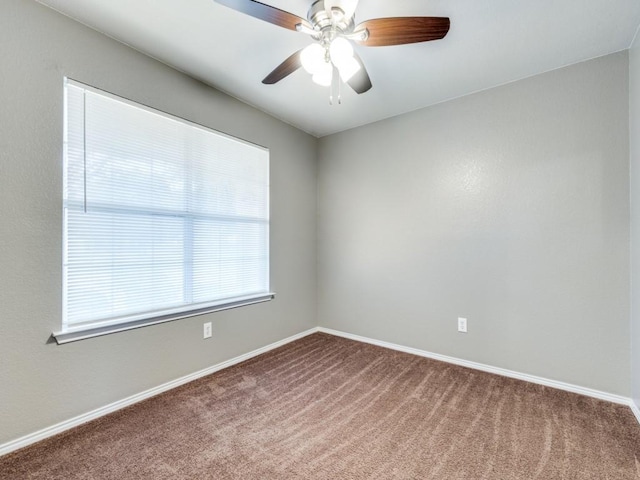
(319, 60)
(331, 23)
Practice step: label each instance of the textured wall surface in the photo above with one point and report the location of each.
(40, 383)
(509, 207)
(634, 142)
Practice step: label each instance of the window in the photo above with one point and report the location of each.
(163, 218)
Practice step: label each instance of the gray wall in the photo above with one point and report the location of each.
(509, 207)
(42, 384)
(634, 140)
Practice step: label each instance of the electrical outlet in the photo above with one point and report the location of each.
(462, 325)
(207, 330)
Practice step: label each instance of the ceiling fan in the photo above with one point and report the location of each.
(331, 23)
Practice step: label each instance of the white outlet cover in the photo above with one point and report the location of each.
(207, 330)
(462, 325)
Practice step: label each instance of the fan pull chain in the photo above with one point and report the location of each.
(335, 89)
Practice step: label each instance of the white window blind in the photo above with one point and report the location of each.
(162, 217)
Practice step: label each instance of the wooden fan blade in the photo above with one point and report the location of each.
(360, 82)
(402, 30)
(287, 67)
(265, 12)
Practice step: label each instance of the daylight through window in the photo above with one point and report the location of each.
(162, 218)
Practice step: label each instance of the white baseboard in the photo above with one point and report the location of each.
(635, 410)
(102, 411)
(609, 397)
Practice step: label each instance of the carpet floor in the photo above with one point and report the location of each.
(325, 407)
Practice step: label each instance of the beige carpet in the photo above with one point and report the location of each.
(329, 408)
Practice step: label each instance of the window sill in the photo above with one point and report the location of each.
(73, 335)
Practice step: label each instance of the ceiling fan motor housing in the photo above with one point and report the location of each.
(329, 24)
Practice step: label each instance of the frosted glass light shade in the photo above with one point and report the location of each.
(312, 58)
(348, 69)
(324, 75)
(347, 6)
(341, 51)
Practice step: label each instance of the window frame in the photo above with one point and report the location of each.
(79, 331)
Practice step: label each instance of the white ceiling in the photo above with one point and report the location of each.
(491, 42)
